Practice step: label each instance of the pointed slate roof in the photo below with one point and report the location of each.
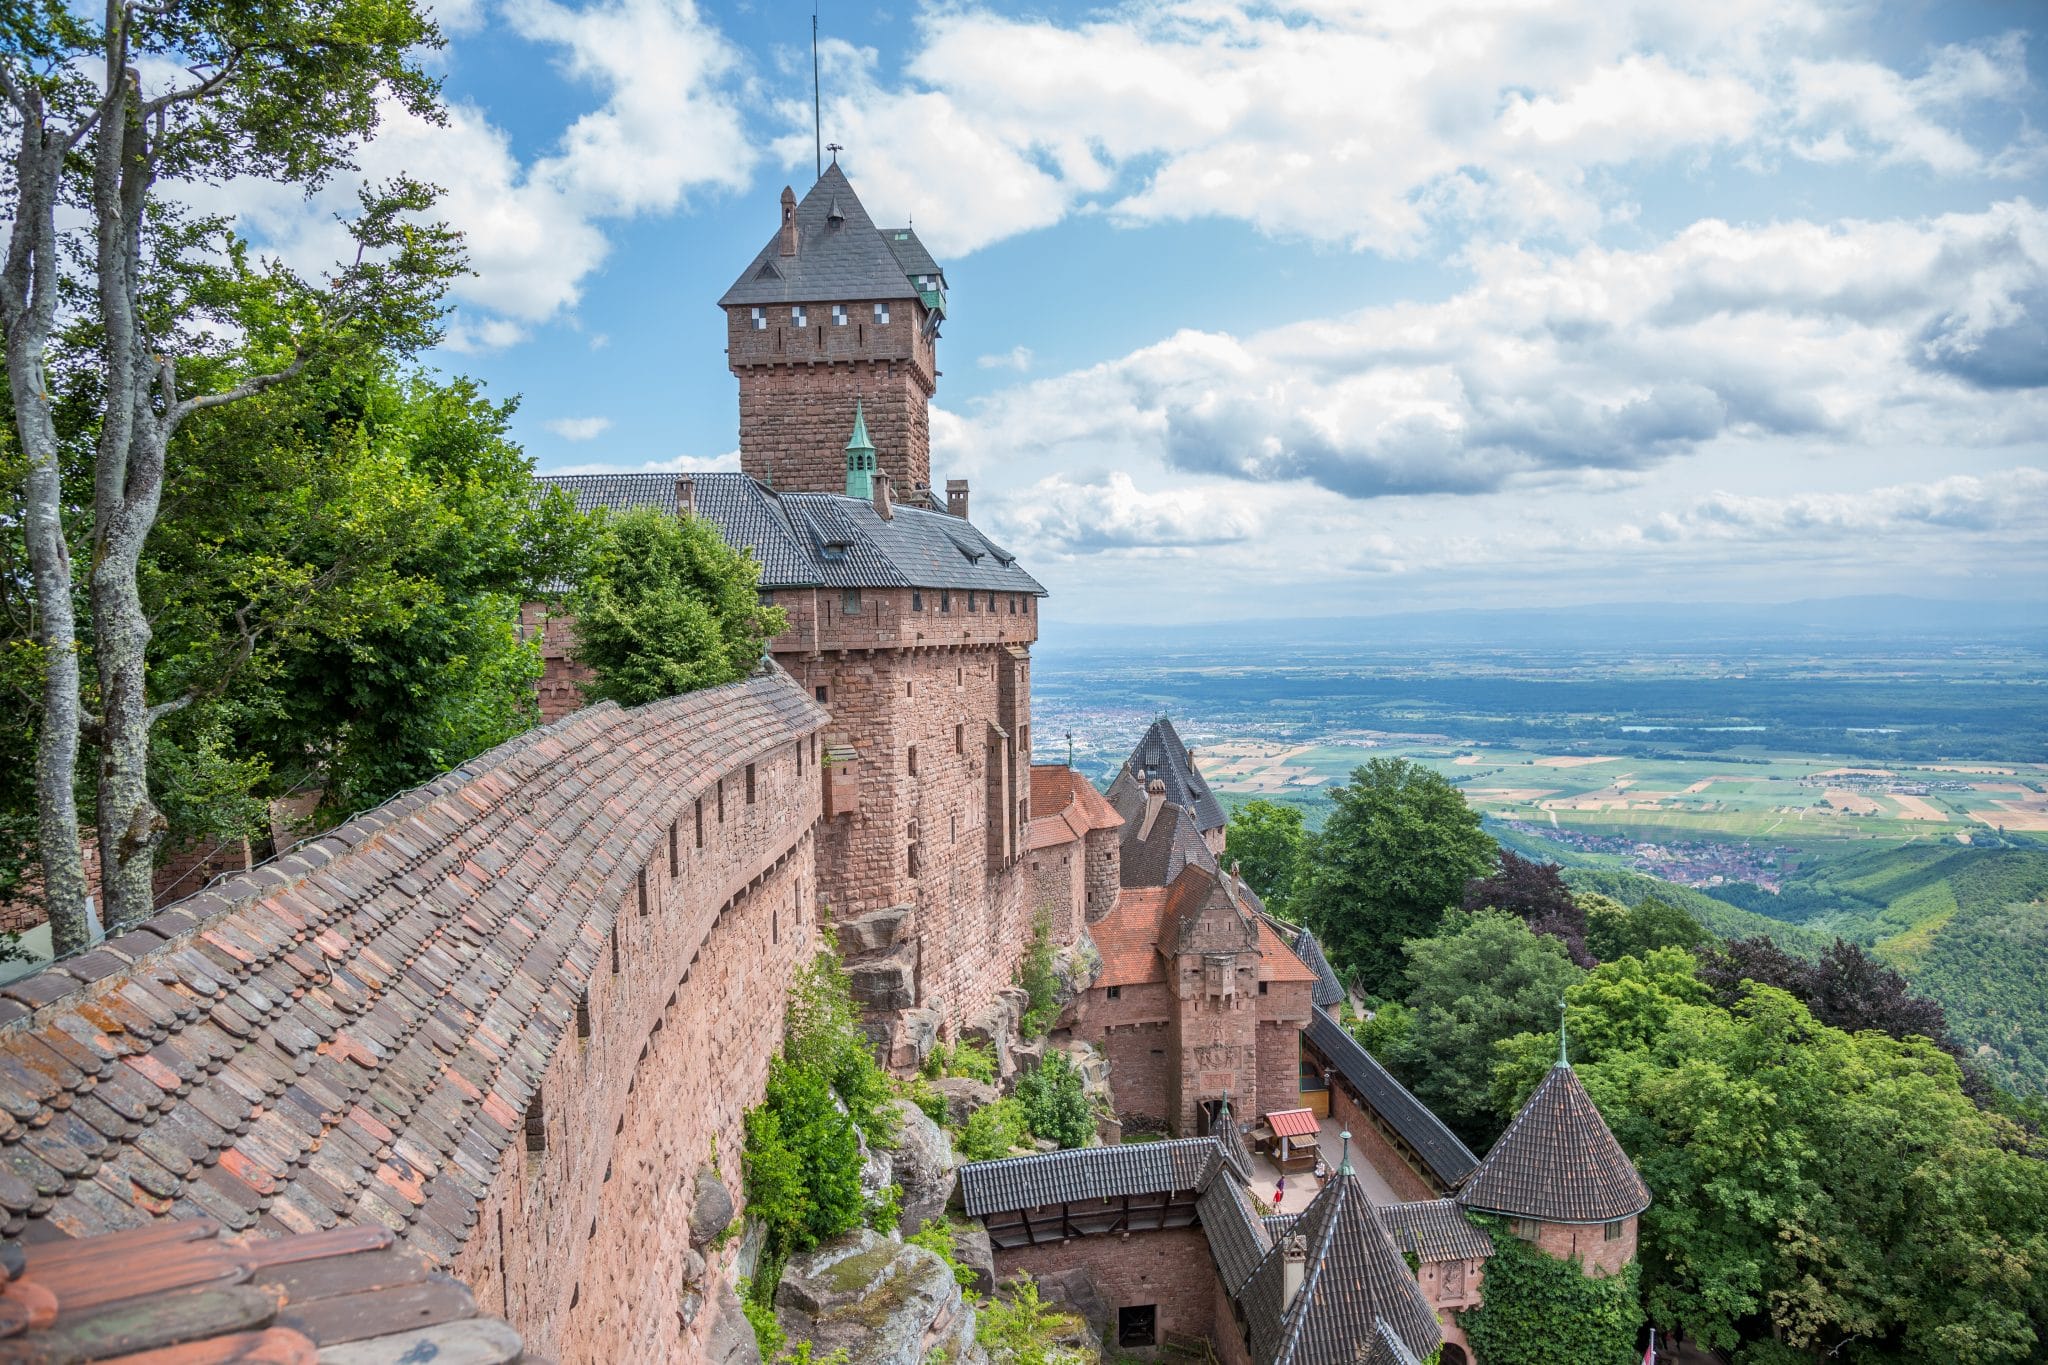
(1355, 1282)
(1557, 1162)
(1155, 857)
(841, 256)
(1160, 754)
(1329, 990)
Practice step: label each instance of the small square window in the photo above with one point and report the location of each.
(797, 317)
(760, 319)
(1262, 988)
(821, 696)
(916, 600)
(1137, 1325)
(838, 315)
(882, 314)
(1614, 1230)
(1115, 992)
(945, 599)
(849, 602)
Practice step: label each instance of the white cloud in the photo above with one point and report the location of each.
(1921, 333)
(669, 126)
(1017, 358)
(1369, 126)
(727, 463)
(1114, 514)
(2010, 500)
(579, 428)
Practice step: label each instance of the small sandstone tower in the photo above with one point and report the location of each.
(835, 310)
(1561, 1179)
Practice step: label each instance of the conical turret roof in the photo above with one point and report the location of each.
(1557, 1162)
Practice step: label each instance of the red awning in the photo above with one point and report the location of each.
(1293, 1123)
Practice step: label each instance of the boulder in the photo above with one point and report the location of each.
(691, 1302)
(1076, 967)
(876, 931)
(1076, 1291)
(923, 1163)
(1023, 1057)
(731, 1338)
(711, 1208)
(963, 1095)
(994, 1028)
(884, 1302)
(972, 1249)
(887, 982)
(917, 1033)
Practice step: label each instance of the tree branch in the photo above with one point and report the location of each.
(248, 388)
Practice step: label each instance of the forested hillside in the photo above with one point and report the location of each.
(1716, 917)
(1989, 969)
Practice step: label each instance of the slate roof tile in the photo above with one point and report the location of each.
(1449, 1159)
(1557, 1161)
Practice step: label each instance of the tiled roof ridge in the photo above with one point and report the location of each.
(362, 1049)
(1446, 1154)
(289, 870)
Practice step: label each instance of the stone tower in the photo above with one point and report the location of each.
(834, 311)
(1561, 1180)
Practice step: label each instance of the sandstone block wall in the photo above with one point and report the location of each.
(1227, 1333)
(559, 687)
(581, 1242)
(1134, 1034)
(1170, 1268)
(1056, 876)
(1370, 1144)
(1104, 857)
(1215, 1042)
(795, 420)
(1588, 1244)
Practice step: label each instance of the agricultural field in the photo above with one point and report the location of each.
(1734, 794)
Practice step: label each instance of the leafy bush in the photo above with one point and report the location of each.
(760, 1313)
(822, 1034)
(919, 1092)
(885, 1210)
(1542, 1311)
(802, 1160)
(993, 1130)
(666, 606)
(1036, 975)
(1055, 1102)
(1022, 1328)
(964, 1058)
(936, 1236)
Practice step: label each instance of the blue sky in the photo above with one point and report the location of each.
(1318, 309)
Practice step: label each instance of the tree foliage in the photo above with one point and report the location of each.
(1038, 976)
(1481, 978)
(1539, 1310)
(1838, 1190)
(1613, 930)
(1055, 1101)
(1269, 841)
(1395, 853)
(665, 606)
(1536, 893)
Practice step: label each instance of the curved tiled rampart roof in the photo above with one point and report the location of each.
(1030, 1182)
(1449, 1160)
(351, 1033)
(1435, 1230)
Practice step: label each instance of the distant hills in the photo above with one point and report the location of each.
(1710, 624)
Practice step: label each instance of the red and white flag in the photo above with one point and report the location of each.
(1650, 1355)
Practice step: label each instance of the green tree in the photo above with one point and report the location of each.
(666, 606)
(1055, 1101)
(1837, 1190)
(1613, 930)
(1389, 1035)
(335, 579)
(1393, 856)
(1480, 979)
(117, 113)
(1269, 842)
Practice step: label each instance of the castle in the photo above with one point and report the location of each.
(511, 1021)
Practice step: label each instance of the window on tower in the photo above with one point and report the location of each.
(838, 315)
(881, 314)
(849, 602)
(797, 317)
(760, 319)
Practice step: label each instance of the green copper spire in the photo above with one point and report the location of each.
(1564, 1058)
(860, 458)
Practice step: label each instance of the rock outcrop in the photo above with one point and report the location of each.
(885, 1302)
(963, 1095)
(923, 1162)
(711, 1208)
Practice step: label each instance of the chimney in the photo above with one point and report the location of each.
(1293, 1268)
(686, 497)
(1155, 801)
(956, 497)
(788, 221)
(885, 506)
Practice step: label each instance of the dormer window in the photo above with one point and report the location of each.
(797, 317)
(760, 319)
(838, 315)
(881, 315)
